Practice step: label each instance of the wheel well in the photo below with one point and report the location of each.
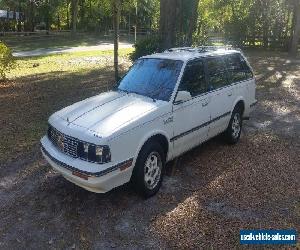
(240, 104)
(162, 140)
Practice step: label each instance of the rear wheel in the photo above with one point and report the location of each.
(234, 129)
(148, 171)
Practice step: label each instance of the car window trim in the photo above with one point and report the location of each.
(207, 77)
(244, 70)
(205, 72)
(191, 62)
(221, 57)
(158, 58)
(211, 91)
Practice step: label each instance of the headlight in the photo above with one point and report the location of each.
(93, 153)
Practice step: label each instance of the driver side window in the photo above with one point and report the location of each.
(193, 79)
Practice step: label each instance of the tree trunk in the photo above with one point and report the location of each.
(129, 24)
(58, 22)
(296, 30)
(266, 22)
(168, 23)
(74, 7)
(286, 28)
(82, 13)
(31, 17)
(19, 24)
(68, 18)
(116, 16)
(193, 22)
(180, 22)
(47, 16)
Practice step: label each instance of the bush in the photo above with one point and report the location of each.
(146, 46)
(7, 61)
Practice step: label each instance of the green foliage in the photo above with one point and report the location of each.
(254, 22)
(146, 46)
(7, 61)
(266, 23)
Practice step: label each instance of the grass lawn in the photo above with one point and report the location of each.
(67, 62)
(42, 85)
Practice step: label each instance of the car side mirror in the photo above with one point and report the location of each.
(183, 96)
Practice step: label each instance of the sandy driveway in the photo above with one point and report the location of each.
(215, 191)
(102, 45)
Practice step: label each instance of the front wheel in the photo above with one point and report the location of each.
(234, 129)
(148, 171)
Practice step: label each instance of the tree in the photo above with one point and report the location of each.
(178, 22)
(74, 8)
(167, 23)
(192, 22)
(116, 18)
(295, 29)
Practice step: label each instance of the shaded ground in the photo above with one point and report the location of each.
(215, 191)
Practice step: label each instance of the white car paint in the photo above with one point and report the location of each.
(125, 121)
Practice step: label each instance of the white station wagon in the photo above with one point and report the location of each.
(165, 105)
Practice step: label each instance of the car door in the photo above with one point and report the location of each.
(222, 94)
(191, 118)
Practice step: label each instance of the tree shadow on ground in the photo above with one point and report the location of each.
(27, 102)
(216, 190)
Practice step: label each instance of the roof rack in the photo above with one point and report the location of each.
(180, 49)
(200, 49)
(213, 48)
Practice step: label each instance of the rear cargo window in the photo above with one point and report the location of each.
(237, 67)
(216, 72)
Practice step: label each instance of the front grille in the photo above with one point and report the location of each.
(64, 143)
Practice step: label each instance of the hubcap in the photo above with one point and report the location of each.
(236, 125)
(152, 170)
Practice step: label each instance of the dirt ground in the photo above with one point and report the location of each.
(215, 191)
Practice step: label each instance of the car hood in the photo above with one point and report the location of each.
(108, 112)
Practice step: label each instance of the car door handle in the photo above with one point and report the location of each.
(204, 104)
(230, 94)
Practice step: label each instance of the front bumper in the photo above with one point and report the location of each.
(98, 178)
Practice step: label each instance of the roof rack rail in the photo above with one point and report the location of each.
(201, 49)
(213, 48)
(180, 49)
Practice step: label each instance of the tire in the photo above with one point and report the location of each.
(234, 129)
(147, 174)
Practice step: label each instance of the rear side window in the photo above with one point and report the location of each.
(237, 67)
(217, 72)
(193, 79)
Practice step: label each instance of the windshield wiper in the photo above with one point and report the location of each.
(151, 95)
(123, 90)
(130, 91)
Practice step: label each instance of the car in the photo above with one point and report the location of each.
(166, 104)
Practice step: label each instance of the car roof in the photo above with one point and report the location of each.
(186, 54)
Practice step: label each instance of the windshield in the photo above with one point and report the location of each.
(155, 78)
